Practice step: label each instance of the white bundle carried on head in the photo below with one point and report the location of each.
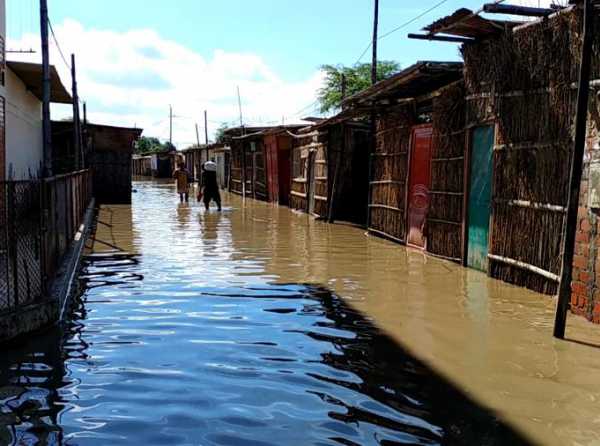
(210, 166)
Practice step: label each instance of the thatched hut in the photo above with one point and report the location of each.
(260, 160)
(196, 156)
(416, 175)
(330, 170)
(520, 84)
(141, 166)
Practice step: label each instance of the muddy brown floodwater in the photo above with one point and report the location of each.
(261, 326)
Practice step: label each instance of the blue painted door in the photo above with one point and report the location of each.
(480, 195)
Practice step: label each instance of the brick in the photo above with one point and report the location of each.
(580, 262)
(585, 277)
(583, 249)
(579, 288)
(586, 226)
(582, 237)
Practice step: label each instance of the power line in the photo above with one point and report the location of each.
(404, 25)
(58, 45)
(398, 28)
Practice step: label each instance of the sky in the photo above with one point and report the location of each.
(135, 58)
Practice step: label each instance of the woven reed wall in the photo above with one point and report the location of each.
(389, 171)
(524, 81)
(445, 217)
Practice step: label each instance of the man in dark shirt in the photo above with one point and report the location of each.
(209, 184)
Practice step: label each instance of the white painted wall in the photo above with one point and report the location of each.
(24, 144)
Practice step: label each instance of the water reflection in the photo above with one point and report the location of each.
(186, 335)
(283, 364)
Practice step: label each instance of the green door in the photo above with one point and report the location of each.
(479, 197)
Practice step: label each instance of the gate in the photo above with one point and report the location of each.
(21, 263)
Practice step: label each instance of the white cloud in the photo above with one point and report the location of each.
(132, 77)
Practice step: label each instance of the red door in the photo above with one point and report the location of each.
(418, 185)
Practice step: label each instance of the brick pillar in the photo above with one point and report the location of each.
(585, 297)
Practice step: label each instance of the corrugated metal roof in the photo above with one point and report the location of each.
(467, 23)
(417, 80)
(32, 76)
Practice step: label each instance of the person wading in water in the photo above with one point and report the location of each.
(183, 184)
(210, 188)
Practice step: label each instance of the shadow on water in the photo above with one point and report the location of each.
(370, 389)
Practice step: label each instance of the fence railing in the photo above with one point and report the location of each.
(38, 220)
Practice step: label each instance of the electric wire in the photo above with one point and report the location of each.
(58, 45)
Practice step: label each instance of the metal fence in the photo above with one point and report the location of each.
(38, 220)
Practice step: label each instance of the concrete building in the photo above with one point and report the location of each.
(21, 147)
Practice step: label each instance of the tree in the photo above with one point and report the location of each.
(220, 133)
(358, 78)
(147, 145)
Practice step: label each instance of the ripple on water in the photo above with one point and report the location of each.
(161, 352)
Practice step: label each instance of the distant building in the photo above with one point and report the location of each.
(108, 153)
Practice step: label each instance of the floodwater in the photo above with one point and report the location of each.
(260, 326)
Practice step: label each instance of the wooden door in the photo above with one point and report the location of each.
(311, 183)
(284, 162)
(418, 185)
(480, 193)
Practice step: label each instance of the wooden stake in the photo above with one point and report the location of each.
(76, 121)
(564, 295)
(375, 29)
(205, 127)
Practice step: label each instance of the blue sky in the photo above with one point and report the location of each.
(280, 43)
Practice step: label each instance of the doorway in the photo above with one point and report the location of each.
(418, 185)
(480, 194)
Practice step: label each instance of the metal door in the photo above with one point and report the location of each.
(418, 185)
(480, 177)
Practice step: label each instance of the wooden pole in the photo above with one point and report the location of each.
(197, 136)
(243, 144)
(76, 121)
(373, 141)
(47, 92)
(583, 92)
(375, 28)
(206, 127)
(170, 125)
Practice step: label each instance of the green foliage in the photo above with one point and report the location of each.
(220, 133)
(358, 78)
(147, 145)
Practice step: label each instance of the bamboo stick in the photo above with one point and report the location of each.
(526, 266)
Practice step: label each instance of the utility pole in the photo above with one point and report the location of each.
(373, 116)
(205, 127)
(76, 121)
(583, 92)
(197, 136)
(240, 107)
(46, 87)
(171, 125)
(243, 146)
(375, 28)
